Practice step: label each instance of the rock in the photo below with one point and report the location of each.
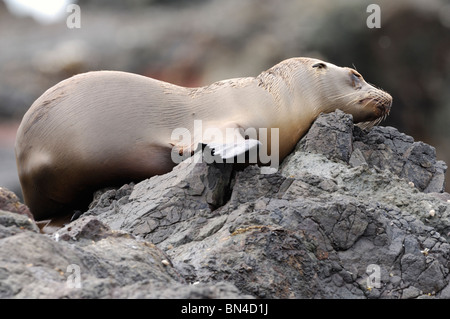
(324, 133)
(12, 223)
(387, 148)
(11, 203)
(381, 147)
(86, 227)
(340, 219)
(310, 230)
(110, 264)
(157, 210)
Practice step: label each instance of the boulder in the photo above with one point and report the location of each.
(349, 214)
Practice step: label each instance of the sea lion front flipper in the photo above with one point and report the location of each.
(231, 150)
(231, 142)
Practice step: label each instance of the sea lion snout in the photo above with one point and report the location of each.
(377, 104)
(380, 105)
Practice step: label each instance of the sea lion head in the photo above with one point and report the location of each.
(342, 88)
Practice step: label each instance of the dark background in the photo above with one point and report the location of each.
(194, 43)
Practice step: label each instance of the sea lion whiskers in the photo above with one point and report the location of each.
(369, 124)
(375, 122)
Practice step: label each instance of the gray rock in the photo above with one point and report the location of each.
(386, 148)
(333, 139)
(110, 264)
(312, 229)
(170, 208)
(10, 202)
(336, 221)
(13, 223)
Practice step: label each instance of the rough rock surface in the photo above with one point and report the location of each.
(111, 264)
(10, 202)
(349, 214)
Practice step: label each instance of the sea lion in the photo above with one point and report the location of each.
(104, 128)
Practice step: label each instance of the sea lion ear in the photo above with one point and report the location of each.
(320, 65)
